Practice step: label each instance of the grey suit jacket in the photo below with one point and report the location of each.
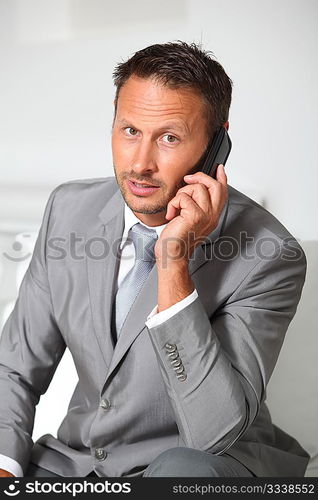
(129, 404)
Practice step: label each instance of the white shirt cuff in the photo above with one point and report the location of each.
(10, 465)
(155, 318)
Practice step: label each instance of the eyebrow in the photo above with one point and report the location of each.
(171, 125)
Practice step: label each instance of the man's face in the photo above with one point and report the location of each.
(158, 136)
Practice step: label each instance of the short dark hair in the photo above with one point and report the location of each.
(179, 64)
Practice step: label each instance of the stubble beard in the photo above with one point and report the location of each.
(152, 208)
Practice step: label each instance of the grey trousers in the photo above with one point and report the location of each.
(179, 462)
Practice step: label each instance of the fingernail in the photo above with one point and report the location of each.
(188, 176)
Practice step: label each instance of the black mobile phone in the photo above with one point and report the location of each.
(217, 152)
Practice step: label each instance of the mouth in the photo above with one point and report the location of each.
(141, 188)
(142, 184)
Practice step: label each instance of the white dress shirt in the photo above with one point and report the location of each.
(127, 261)
(155, 318)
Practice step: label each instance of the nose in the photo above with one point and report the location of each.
(144, 158)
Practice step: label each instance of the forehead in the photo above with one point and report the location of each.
(150, 100)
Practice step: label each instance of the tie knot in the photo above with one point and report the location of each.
(144, 240)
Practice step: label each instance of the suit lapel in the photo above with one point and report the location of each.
(102, 272)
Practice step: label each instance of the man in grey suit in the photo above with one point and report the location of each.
(172, 292)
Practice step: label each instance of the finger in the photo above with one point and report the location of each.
(219, 199)
(205, 179)
(200, 194)
(220, 196)
(221, 175)
(220, 191)
(182, 203)
(217, 188)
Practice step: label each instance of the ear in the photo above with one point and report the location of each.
(226, 125)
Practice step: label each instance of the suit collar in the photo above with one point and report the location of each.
(113, 207)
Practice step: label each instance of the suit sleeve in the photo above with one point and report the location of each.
(155, 318)
(31, 347)
(6, 463)
(216, 369)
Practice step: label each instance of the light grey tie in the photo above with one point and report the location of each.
(144, 240)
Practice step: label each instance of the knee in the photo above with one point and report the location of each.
(183, 462)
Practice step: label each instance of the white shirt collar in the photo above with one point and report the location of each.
(131, 220)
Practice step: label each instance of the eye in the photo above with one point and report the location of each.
(131, 131)
(171, 139)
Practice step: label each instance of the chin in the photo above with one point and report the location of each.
(143, 206)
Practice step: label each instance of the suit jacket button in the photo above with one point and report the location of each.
(100, 454)
(173, 356)
(170, 347)
(176, 362)
(179, 369)
(105, 404)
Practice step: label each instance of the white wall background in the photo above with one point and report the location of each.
(56, 93)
